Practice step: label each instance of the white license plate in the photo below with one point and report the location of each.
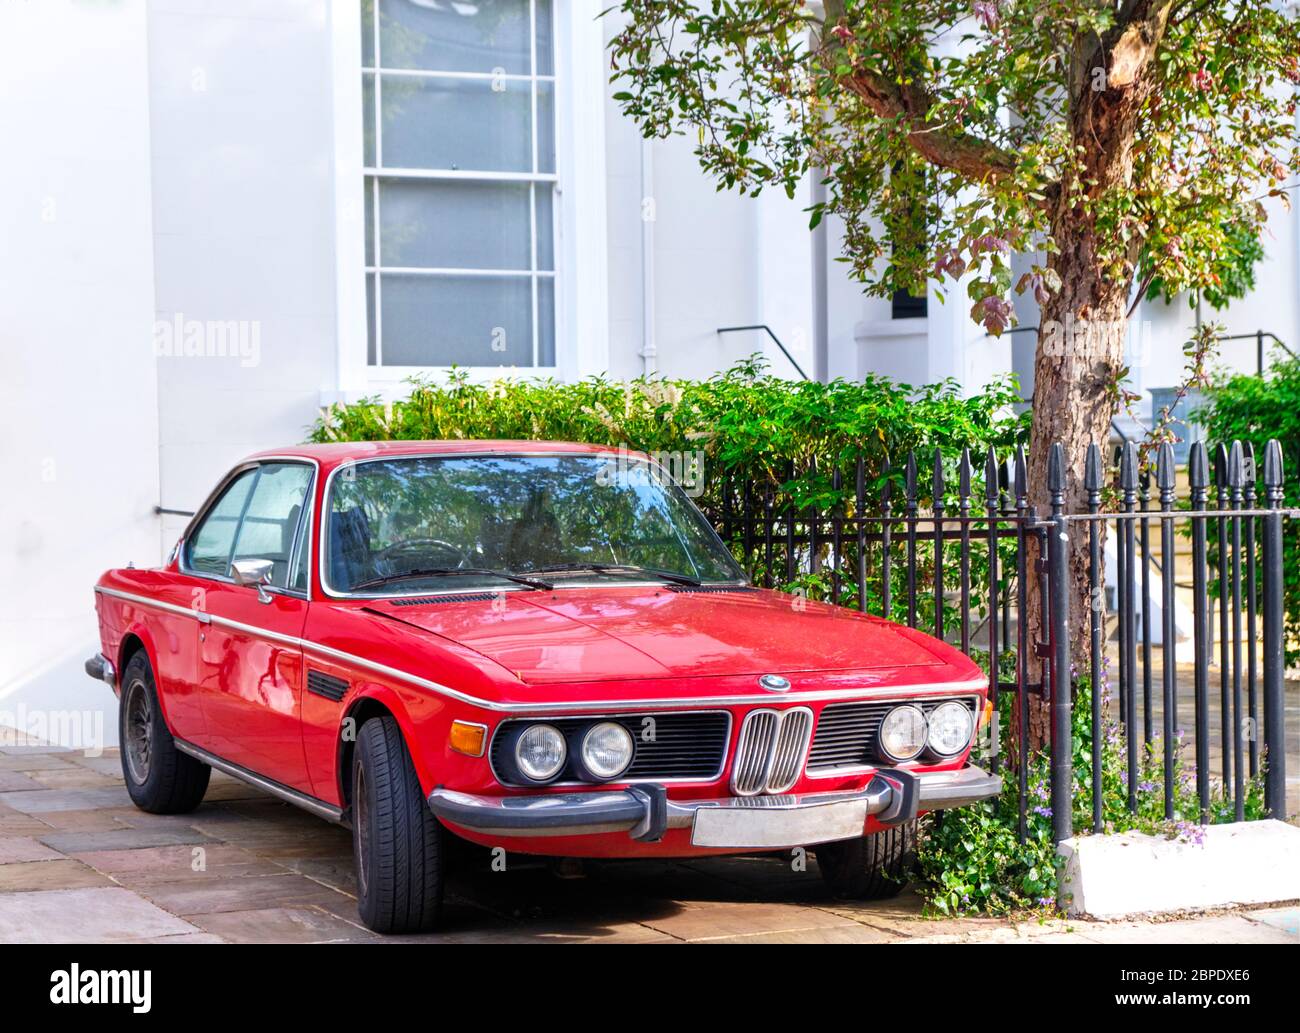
(759, 827)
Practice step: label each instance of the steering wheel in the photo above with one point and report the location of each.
(385, 560)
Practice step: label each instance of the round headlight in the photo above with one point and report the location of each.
(951, 725)
(902, 733)
(540, 752)
(606, 749)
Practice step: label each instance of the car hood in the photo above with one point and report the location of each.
(622, 634)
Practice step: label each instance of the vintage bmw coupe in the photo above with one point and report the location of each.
(537, 646)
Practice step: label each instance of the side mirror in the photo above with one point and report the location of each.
(254, 573)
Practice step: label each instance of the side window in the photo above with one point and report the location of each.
(271, 517)
(300, 564)
(208, 549)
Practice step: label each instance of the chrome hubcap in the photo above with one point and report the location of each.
(138, 747)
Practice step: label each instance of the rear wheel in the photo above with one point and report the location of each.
(160, 778)
(871, 867)
(397, 842)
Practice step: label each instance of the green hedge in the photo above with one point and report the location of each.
(746, 423)
(1252, 408)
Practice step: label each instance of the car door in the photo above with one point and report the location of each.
(250, 661)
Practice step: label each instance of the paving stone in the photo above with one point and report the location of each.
(33, 761)
(24, 848)
(106, 914)
(109, 763)
(718, 921)
(74, 776)
(152, 865)
(62, 874)
(1229, 928)
(280, 925)
(19, 748)
(16, 781)
(834, 934)
(1285, 918)
(78, 821)
(183, 938)
(120, 839)
(243, 893)
(46, 800)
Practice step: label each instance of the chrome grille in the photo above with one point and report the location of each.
(770, 750)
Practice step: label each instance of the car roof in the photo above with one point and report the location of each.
(341, 452)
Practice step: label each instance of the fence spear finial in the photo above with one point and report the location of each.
(1022, 474)
(991, 477)
(1221, 467)
(909, 477)
(963, 474)
(1092, 482)
(1273, 468)
(1236, 460)
(1128, 478)
(886, 484)
(1198, 466)
(1165, 474)
(1056, 472)
(936, 483)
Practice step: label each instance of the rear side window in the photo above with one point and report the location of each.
(209, 548)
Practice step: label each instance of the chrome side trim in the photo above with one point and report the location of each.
(864, 693)
(308, 803)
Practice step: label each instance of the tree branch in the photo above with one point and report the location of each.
(910, 104)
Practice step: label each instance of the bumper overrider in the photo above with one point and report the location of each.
(645, 813)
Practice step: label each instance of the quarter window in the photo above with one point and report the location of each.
(460, 182)
(209, 547)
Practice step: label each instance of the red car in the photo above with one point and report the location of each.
(537, 646)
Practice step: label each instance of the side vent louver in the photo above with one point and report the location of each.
(322, 684)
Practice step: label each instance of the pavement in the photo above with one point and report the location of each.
(79, 863)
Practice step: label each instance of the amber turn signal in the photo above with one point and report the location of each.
(468, 738)
(987, 715)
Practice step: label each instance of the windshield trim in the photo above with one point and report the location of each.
(493, 453)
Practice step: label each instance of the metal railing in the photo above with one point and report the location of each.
(980, 566)
(776, 340)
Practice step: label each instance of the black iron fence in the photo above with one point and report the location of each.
(965, 556)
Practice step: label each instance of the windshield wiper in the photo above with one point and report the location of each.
(622, 568)
(519, 579)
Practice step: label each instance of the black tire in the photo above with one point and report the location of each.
(397, 843)
(872, 867)
(160, 778)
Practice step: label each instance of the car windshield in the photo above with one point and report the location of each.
(412, 525)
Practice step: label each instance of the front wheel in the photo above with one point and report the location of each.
(871, 867)
(397, 842)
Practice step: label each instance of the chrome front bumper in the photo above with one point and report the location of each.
(645, 813)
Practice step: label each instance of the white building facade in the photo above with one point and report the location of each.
(222, 214)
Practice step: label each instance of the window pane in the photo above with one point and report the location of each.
(266, 532)
(454, 225)
(460, 320)
(456, 124)
(545, 62)
(478, 36)
(545, 226)
(368, 33)
(369, 186)
(370, 319)
(545, 127)
(368, 119)
(208, 549)
(545, 321)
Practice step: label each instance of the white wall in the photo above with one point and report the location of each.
(241, 106)
(79, 441)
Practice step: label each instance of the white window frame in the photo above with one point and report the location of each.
(580, 245)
